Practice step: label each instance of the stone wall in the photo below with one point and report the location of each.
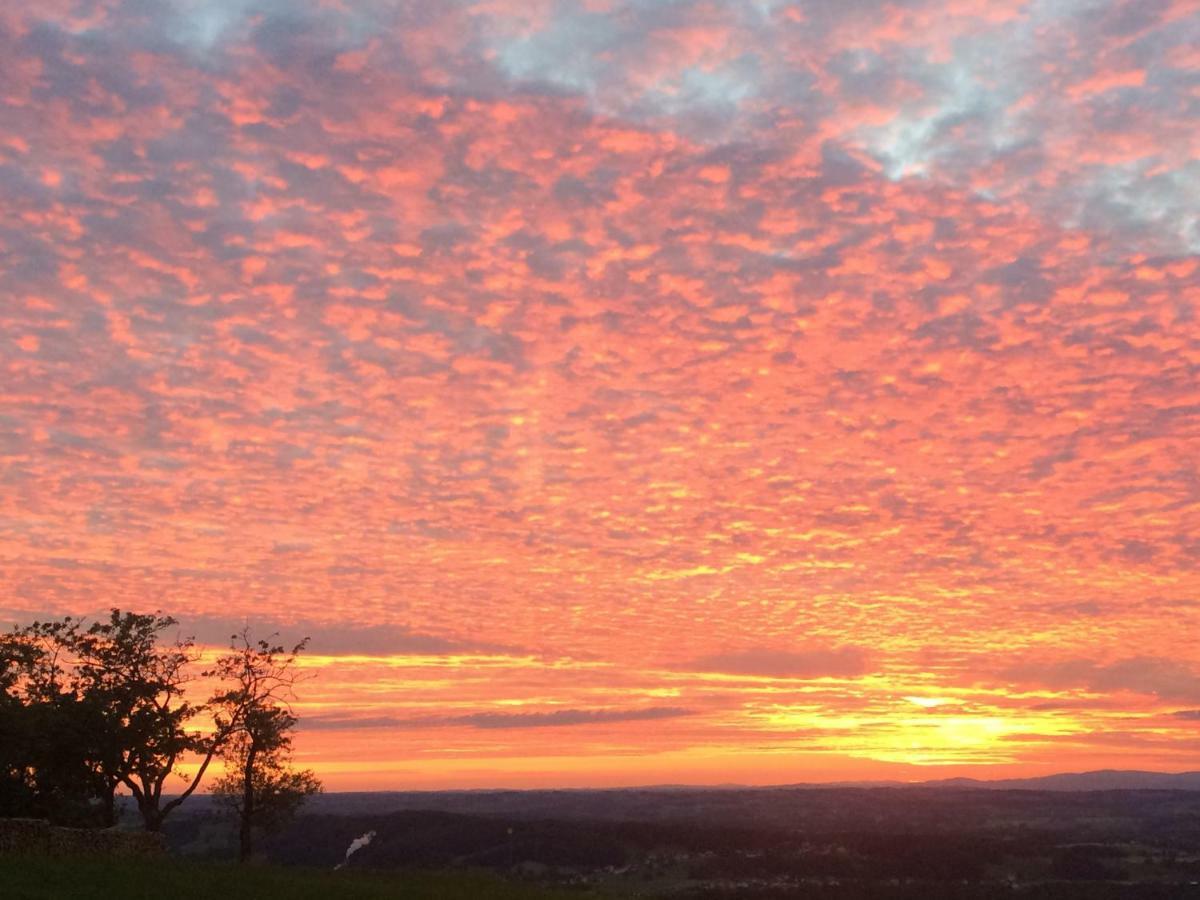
(34, 837)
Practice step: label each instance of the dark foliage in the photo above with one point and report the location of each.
(88, 709)
(260, 789)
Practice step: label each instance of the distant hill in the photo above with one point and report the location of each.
(1098, 780)
(1101, 780)
(632, 802)
(956, 842)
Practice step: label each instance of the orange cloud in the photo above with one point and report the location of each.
(758, 376)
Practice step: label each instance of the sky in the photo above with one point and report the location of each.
(622, 391)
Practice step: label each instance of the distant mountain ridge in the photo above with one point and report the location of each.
(508, 799)
(1096, 780)
(1099, 780)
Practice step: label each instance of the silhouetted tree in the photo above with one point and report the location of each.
(17, 784)
(86, 710)
(100, 707)
(49, 751)
(259, 786)
(138, 681)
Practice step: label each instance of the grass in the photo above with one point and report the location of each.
(23, 878)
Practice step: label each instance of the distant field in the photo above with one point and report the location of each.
(93, 879)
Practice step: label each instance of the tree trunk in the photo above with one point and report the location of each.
(247, 818)
(152, 820)
(109, 809)
(148, 810)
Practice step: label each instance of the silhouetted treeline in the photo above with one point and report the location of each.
(88, 710)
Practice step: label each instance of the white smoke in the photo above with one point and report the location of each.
(355, 845)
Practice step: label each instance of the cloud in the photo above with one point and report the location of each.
(335, 639)
(1167, 679)
(1187, 714)
(487, 720)
(839, 662)
(325, 638)
(641, 332)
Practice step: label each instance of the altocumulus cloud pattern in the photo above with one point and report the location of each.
(742, 390)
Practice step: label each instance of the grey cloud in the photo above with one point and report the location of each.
(343, 639)
(1164, 678)
(1081, 608)
(572, 717)
(556, 718)
(286, 547)
(329, 639)
(839, 168)
(1137, 551)
(805, 663)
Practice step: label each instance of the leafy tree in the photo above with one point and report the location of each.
(17, 786)
(49, 759)
(137, 684)
(260, 787)
(86, 710)
(96, 708)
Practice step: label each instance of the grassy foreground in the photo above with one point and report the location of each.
(101, 879)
